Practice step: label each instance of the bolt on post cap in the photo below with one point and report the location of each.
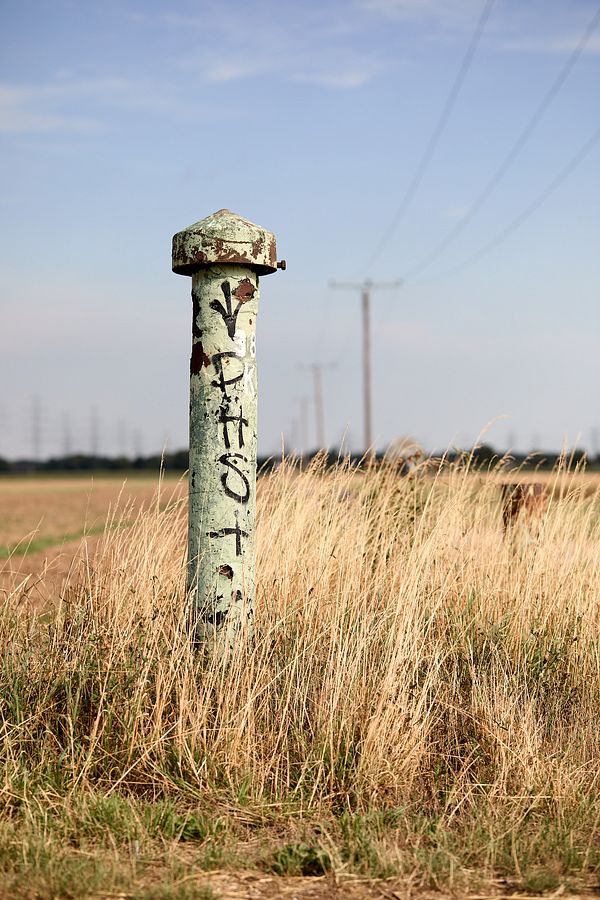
(224, 238)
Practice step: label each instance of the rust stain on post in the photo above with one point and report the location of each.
(198, 358)
(245, 290)
(224, 238)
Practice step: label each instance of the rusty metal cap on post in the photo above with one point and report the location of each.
(224, 237)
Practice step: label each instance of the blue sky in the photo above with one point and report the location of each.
(123, 122)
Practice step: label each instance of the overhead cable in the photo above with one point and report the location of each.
(527, 212)
(437, 132)
(513, 153)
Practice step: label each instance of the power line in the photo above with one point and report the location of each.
(437, 133)
(513, 153)
(528, 211)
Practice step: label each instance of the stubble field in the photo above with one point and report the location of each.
(48, 525)
(416, 717)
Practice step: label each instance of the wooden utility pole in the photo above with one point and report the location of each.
(316, 370)
(365, 287)
(320, 417)
(36, 428)
(67, 441)
(94, 433)
(303, 440)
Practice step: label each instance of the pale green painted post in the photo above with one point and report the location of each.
(225, 255)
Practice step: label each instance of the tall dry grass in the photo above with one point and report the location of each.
(421, 696)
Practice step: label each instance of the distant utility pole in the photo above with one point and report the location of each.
(3, 427)
(365, 287)
(346, 439)
(94, 432)
(300, 426)
(136, 443)
(294, 435)
(303, 425)
(317, 373)
(36, 427)
(122, 437)
(67, 442)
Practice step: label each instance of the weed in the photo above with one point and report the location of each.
(299, 859)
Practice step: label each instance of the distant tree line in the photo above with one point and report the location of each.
(177, 462)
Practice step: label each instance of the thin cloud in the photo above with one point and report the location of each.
(340, 80)
(449, 13)
(221, 72)
(58, 106)
(341, 71)
(26, 109)
(310, 46)
(550, 44)
(513, 28)
(336, 77)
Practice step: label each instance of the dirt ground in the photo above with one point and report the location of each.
(257, 886)
(49, 525)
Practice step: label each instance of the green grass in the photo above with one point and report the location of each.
(25, 548)
(299, 859)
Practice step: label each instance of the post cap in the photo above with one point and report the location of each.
(224, 237)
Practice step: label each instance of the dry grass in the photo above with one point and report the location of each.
(420, 702)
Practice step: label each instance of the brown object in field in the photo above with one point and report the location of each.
(532, 498)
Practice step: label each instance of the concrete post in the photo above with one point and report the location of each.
(225, 255)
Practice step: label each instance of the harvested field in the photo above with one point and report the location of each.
(49, 525)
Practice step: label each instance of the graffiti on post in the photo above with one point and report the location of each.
(224, 359)
(225, 255)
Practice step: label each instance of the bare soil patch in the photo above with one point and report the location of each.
(51, 527)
